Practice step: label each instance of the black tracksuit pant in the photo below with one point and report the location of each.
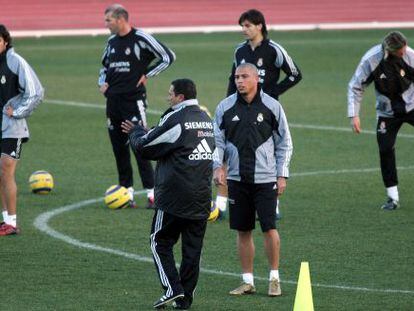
(387, 130)
(118, 109)
(165, 232)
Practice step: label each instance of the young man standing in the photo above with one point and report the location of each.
(270, 58)
(251, 129)
(20, 93)
(390, 66)
(130, 58)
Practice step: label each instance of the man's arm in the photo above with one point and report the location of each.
(163, 55)
(32, 91)
(219, 176)
(283, 145)
(103, 86)
(157, 142)
(288, 66)
(356, 88)
(231, 89)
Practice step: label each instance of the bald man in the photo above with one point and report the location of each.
(251, 129)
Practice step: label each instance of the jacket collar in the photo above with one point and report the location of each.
(256, 98)
(186, 103)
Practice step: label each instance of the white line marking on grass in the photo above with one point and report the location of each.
(159, 112)
(41, 223)
(347, 171)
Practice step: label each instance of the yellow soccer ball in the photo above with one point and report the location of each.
(214, 212)
(117, 197)
(41, 182)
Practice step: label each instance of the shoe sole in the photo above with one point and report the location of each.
(162, 304)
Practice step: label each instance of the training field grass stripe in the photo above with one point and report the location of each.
(159, 112)
(41, 223)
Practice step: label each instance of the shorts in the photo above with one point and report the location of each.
(12, 147)
(247, 199)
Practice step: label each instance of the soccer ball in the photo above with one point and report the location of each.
(117, 197)
(41, 182)
(214, 212)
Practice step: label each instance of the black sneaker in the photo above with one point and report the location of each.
(182, 303)
(390, 205)
(166, 299)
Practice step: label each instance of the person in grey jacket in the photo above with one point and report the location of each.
(390, 66)
(252, 136)
(20, 93)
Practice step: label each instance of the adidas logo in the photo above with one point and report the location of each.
(235, 118)
(134, 119)
(383, 76)
(202, 152)
(13, 154)
(113, 51)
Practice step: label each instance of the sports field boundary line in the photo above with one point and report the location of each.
(41, 223)
(214, 29)
(159, 112)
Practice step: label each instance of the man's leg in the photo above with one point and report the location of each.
(165, 232)
(192, 243)
(387, 130)
(120, 147)
(272, 248)
(246, 250)
(9, 188)
(145, 168)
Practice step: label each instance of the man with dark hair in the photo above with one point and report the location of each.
(130, 57)
(183, 145)
(390, 66)
(20, 93)
(270, 58)
(252, 131)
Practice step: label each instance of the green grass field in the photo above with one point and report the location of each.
(360, 257)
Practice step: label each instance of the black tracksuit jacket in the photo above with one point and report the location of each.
(183, 145)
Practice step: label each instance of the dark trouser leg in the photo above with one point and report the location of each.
(164, 234)
(387, 130)
(145, 171)
(192, 243)
(122, 156)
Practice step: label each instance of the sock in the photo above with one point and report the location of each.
(150, 194)
(131, 193)
(274, 274)
(5, 216)
(221, 203)
(392, 193)
(248, 278)
(12, 220)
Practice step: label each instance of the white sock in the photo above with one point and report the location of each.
(5, 216)
(248, 278)
(12, 220)
(150, 194)
(131, 193)
(392, 192)
(221, 203)
(274, 274)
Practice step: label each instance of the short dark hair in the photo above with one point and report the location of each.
(255, 17)
(117, 11)
(394, 41)
(5, 34)
(185, 87)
